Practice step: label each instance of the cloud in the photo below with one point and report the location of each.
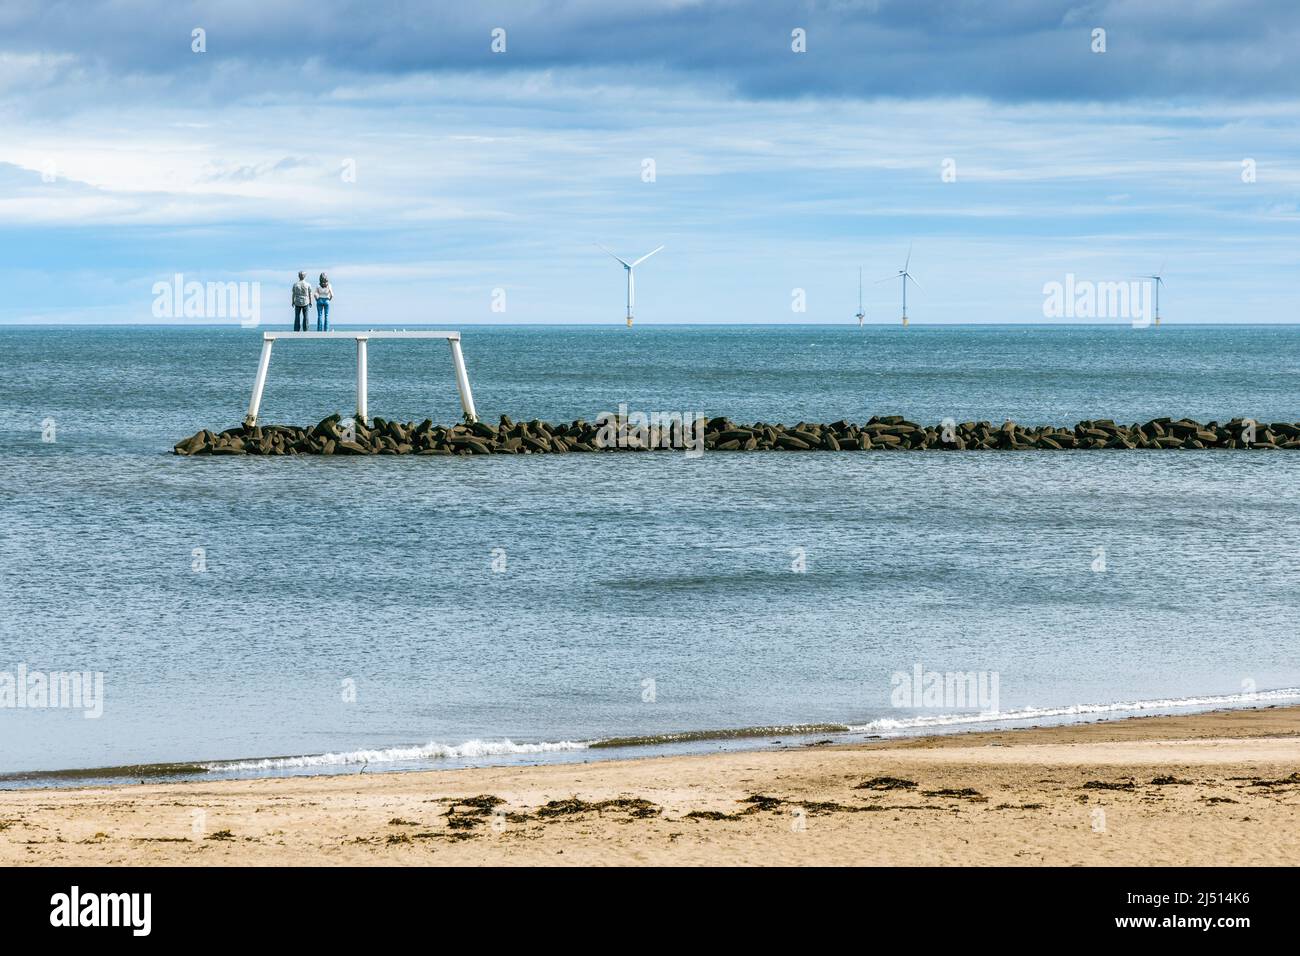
(475, 172)
(1015, 50)
(246, 173)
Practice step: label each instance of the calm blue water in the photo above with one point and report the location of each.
(620, 570)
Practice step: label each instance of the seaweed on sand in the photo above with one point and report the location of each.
(886, 783)
(633, 806)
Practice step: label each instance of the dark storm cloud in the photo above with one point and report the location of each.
(1017, 50)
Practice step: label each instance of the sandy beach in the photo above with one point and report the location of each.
(1220, 788)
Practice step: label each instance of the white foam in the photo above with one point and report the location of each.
(479, 749)
(430, 751)
(1073, 710)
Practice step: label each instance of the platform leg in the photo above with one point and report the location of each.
(363, 413)
(462, 382)
(254, 403)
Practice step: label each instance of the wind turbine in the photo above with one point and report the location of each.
(1159, 282)
(631, 284)
(861, 315)
(905, 276)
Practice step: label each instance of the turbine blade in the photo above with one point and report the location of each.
(908, 275)
(908, 261)
(624, 261)
(644, 258)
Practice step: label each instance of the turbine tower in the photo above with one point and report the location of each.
(1159, 282)
(631, 284)
(905, 276)
(861, 315)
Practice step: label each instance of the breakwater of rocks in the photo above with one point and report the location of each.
(337, 436)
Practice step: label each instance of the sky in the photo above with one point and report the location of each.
(773, 148)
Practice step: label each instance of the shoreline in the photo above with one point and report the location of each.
(472, 754)
(1215, 788)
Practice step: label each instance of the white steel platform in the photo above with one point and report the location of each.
(363, 413)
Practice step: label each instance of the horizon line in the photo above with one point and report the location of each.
(849, 325)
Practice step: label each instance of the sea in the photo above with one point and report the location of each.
(238, 617)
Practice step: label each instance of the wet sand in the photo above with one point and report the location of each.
(1220, 788)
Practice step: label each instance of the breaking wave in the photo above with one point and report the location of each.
(1073, 710)
(472, 749)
